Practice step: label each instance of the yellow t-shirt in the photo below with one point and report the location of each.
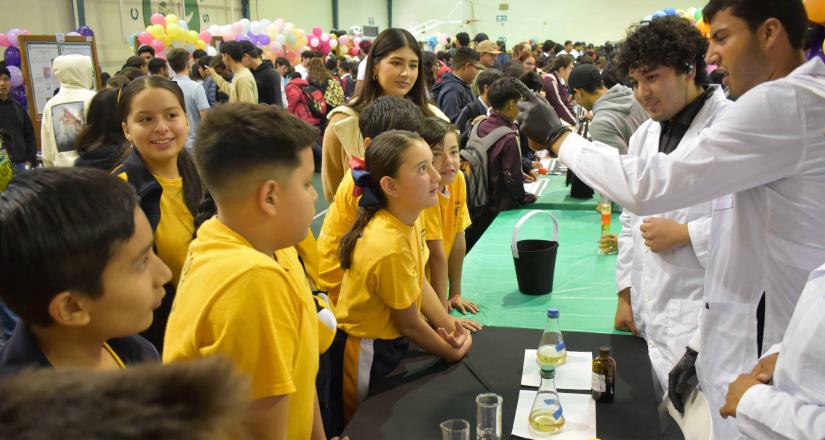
(253, 309)
(176, 226)
(308, 251)
(387, 273)
(338, 221)
(450, 216)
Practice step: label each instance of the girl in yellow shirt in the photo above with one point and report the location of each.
(384, 291)
(163, 174)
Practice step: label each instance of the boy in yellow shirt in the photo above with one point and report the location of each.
(243, 293)
(444, 223)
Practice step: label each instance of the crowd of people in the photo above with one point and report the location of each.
(172, 223)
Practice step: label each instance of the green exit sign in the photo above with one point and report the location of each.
(501, 18)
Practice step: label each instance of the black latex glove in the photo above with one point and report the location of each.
(539, 121)
(678, 379)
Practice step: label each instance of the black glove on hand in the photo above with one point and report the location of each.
(678, 378)
(540, 121)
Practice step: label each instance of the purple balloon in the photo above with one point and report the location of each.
(86, 31)
(12, 55)
(242, 38)
(263, 40)
(19, 95)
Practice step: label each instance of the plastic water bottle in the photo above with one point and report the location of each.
(546, 415)
(551, 348)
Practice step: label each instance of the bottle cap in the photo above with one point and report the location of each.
(548, 371)
(552, 312)
(604, 351)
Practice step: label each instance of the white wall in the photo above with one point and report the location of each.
(358, 12)
(304, 13)
(593, 21)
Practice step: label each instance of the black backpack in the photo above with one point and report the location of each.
(474, 165)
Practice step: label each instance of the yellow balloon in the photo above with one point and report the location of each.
(167, 40)
(155, 30)
(200, 45)
(172, 28)
(193, 36)
(172, 19)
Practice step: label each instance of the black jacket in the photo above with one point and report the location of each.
(269, 84)
(21, 352)
(106, 157)
(452, 95)
(473, 110)
(18, 136)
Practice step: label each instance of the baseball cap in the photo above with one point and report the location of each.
(584, 75)
(487, 46)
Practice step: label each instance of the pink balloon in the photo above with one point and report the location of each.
(354, 51)
(158, 19)
(343, 40)
(324, 37)
(16, 76)
(229, 36)
(314, 42)
(145, 38)
(205, 36)
(4, 41)
(237, 28)
(356, 41)
(317, 31)
(158, 45)
(12, 35)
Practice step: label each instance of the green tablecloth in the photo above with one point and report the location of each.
(584, 287)
(557, 196)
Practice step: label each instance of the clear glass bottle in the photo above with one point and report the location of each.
(551, 348)
(546, 415)
(604, 376)
(605, 208)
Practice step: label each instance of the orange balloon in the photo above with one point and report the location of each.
(703, 27)
(815, 10)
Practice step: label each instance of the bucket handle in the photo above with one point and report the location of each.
(526, 217)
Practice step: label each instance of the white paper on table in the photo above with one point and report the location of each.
(579, 417)
(575, 374)
(536, 188)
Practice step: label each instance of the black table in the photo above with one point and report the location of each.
(424, 391)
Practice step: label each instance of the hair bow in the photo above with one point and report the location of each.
(363, 185)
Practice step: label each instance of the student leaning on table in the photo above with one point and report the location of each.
(766, 149)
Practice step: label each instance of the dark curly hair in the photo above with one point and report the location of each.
(667, 41)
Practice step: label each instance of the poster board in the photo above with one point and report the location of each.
(36, 55)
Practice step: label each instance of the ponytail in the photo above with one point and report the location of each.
(349, 239)
(193, 191)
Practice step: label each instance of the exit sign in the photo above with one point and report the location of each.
(501, 18)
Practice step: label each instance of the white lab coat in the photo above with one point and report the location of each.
(667, 287)
(793, 407)
(768, 149)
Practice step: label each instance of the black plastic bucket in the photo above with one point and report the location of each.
(535, 260)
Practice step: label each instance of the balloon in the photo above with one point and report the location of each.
(86, 31)
(211, 51)
(263, 40)
(669, 11)
(245, 23)
(158, 19)
(356, 41)
(313, 43)
(165, 39)
(698, 15)
(145, 37)
(432, 42)
(73, 34)
(288, 26)
(815, 10)
(648, 18)
(344, 40)
(131, 40)
(158, 45)
(703, 27)
(291, 39)
(325, 49)
(324, 37)
(183, 25)
(228, 36)
(354, 51)
(173, 30)
(16, 76)
(155, 31)
(256, 28)
(19, 94)
(200, 45)
(12, 35)
(214, 29)
(237, 28)
(205, 36)
(242, 37)
(280, 38)
(333, 43)
(316, 30)
(4, 41)
(192, 37)
(691, 12)
(12, 56)
(172, 19)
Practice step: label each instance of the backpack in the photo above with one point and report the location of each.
(6, 168)
(474, 166)
(316, 103)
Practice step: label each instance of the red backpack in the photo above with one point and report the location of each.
(316, 103)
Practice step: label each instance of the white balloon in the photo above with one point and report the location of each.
(289, 26)
(183, 25)
(245, 23)
(280, 38)
(214, 29)
(266, 22)
(256, 28)
(211, 51)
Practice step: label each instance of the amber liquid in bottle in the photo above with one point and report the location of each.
(604, 376)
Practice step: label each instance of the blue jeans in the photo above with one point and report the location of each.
(7, 322)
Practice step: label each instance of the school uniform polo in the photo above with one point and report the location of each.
(450, 216)
(21, 352)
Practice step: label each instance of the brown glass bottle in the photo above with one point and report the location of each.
(604, 376)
